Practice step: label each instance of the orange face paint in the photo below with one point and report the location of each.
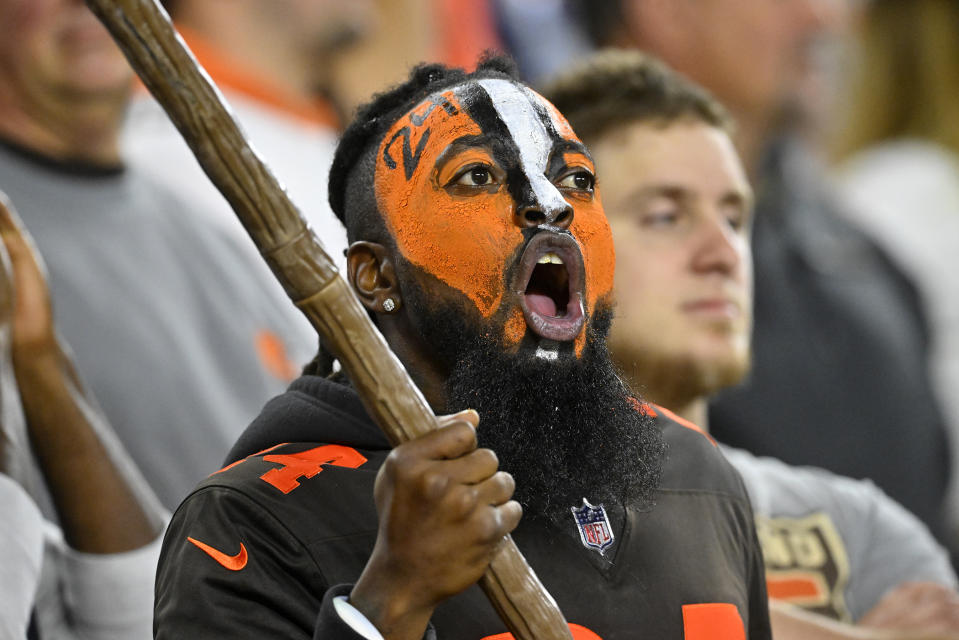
(441, 185)
(595, 237)
(464, 240)
(515, 327)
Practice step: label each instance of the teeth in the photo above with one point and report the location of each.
(550, 258)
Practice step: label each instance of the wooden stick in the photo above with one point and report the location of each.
(166, 67)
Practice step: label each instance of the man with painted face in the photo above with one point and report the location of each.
(480, 247)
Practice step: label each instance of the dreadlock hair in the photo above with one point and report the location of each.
(616, 87)
(353, 163)
(372, 121)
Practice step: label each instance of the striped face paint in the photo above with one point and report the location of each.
(486, 187)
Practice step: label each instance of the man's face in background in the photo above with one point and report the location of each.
(752, 54)
(58, 46)
(679, 205)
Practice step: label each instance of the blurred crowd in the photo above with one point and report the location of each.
(168, 332)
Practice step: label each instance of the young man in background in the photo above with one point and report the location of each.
(680, 207)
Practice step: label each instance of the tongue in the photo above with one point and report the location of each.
(541, 304)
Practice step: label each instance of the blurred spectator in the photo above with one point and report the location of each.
(273, 62)
(557, 42)
(94, 578)
(899, 147)
(291, 71)
(840, 375)
(407, 32)
(180, 338)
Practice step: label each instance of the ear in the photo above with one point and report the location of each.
(370, 271)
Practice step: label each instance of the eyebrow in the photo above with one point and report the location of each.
(573, 146)
(743, 198)
(673, 192)
(464, 143)
(473, 141)
(739, 198)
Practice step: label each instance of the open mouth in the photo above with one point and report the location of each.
(551, 279)
(548, 290)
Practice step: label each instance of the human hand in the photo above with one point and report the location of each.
(32, 316)
(923, 608)
(443, 508)
(6, 274)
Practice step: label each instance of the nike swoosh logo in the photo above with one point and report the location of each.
(233, 563)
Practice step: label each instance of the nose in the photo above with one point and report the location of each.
(719, 248)
(535, 215)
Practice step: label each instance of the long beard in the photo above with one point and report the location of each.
(566, 429)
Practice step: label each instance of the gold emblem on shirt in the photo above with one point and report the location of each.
(806, 563)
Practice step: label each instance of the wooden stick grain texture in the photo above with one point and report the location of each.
(308, 275)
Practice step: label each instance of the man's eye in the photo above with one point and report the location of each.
(660, 218)
(475, 177)
(581, 181)
(736, 218)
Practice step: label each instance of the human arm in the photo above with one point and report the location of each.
(894, 551)
(790, 622)
(102, 503)
(897, 549)
(920, 607)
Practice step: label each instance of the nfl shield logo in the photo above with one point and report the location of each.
(594, 529)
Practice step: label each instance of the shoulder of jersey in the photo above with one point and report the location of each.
(694, 461)
(668, 421)
(285, 469)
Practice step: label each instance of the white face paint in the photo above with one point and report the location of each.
(514, 105)
(547, 350)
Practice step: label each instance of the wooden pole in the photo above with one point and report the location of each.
(166, 67)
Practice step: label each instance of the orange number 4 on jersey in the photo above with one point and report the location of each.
(307, 464)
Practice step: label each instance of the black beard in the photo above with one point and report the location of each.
(566, 429)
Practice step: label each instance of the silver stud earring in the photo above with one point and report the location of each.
(388, 305)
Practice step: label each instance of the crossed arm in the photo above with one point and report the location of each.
(911, 611)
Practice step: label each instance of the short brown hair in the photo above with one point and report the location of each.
(617, 87)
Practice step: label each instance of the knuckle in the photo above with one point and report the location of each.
(464, 502)
(402, 466)
(433, 485)
(465, 437)
(488, 527)
(392, 463)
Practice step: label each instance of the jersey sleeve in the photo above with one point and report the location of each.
(230, 569)
(759, 622)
